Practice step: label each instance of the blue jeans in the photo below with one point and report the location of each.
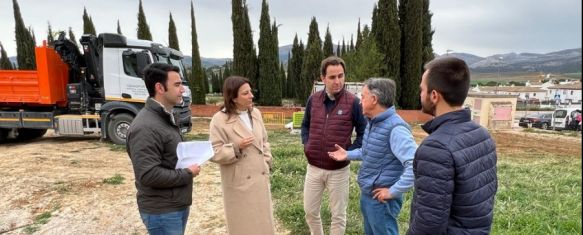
(171, 223)
(380, 218)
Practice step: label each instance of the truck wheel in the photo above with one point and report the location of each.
(545, 126)
(30, 134)
(3, 134)
(118, 127)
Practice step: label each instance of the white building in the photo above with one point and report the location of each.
(566, 93)
(522, 92)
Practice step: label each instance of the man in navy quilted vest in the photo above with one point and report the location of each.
(387, 155)
(331, 116)
(455, 166)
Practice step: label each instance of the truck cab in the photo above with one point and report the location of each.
(97, 92)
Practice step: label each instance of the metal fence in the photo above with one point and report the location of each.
(273, 118)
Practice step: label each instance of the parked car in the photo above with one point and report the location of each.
(540, 120)
(566, 119)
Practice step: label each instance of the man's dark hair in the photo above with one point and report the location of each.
(231, 87)
(157, 73)
(449, 76)
(332, 60)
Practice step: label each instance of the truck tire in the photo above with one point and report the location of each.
(3, 134)
(25, 134)
(118, 127)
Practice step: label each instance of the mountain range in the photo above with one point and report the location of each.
(564, 61)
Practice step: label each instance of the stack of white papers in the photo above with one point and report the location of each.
(193, 152)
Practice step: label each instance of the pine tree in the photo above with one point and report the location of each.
(267, 60)
(172, 37)
(244, 54)
(88, 27)
(351, 43)
(385, 25)
(50, 37)
(366, 62)
(427, 36)
(143, 28)
(5, 63)
(338, 51)
(328, 49)
(410, 13)
(197, 78)
(118, 28)
(72, 36)
(311, 63)
(25, 42)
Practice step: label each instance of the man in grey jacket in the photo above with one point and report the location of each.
(164, 193)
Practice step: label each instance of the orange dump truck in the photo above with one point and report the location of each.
(98, 92)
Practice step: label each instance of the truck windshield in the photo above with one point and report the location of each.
(173, 61)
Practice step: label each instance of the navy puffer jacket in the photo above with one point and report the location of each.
(455, 178)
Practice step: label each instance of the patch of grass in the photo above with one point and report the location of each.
(117, 147)
(563, 132)
(537, 193)
(189, 137)
(115, 180)
(39, 220)
(62, 187)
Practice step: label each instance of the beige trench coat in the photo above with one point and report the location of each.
(245, 179)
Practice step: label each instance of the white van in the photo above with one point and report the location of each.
(566, 118)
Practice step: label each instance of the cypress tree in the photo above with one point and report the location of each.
(118, 28)
(427, 36)
(311, 64)
(88, 27)
(25, 42)
(295, 68)
(72, 37)
(388, 37)
(328, 49)
(343, 47)
(358, 36)
(196, 81)
(244, 54)
(269, 87)
(278, 83)
(50, 37)
(410, 12)
(351, 42)
(5, 63)
(373, 28)
(143, 28)
(172, 37)
(338, 52)
(206, 83)
(282, 79)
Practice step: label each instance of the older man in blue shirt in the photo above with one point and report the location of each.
(387, 155)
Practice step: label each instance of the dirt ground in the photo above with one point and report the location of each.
(64, 176)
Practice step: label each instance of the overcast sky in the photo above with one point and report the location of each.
(480, 27)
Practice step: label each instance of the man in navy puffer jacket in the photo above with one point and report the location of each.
(455, 166)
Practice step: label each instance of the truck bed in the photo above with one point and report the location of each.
(45, 86)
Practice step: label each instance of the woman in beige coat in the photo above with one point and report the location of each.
(241, 149)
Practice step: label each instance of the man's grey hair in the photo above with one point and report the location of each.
(383, 89)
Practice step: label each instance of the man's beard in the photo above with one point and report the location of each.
(428, 107)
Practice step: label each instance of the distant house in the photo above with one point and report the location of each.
(522, 92)
(566, 93)
(492, 111)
